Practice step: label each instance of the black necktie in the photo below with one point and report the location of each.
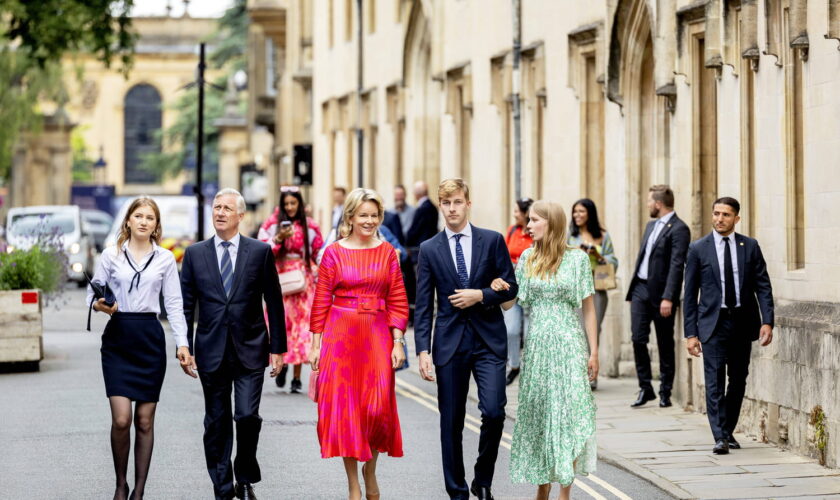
(728, 276)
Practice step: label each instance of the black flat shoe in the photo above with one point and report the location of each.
(733, 445)
(664, 401)
(644, 397)
(511, 376)
(296, 386)
(721, 447)
(245, 491)
(280, 380)
(481, 492)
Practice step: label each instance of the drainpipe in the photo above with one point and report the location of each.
(517, 117)
(360, 134)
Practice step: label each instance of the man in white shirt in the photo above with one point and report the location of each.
(654, 293)
(728, 306)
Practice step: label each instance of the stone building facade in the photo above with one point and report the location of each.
(714, 97)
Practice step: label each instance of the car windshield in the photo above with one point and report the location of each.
(179, 222)
(31, 224)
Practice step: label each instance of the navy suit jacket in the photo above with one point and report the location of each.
(436, 275)
(666, 263)
(240, 316)
(424, 225)
(702, 277)
(392, 221)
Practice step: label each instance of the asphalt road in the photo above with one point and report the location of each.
(54, 435)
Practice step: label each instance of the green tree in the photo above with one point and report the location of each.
(34, 37)
(178, 141)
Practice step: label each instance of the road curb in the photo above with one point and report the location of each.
(637, 470)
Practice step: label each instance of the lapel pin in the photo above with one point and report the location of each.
(669, 225)
(742, 243)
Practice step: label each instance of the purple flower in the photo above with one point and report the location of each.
(14, 264)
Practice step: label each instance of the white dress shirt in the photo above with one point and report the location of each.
(657, 229)
(720, 247)
(466, 245)
(233, 249)
(161, 275)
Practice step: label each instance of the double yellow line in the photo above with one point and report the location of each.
(423, 398)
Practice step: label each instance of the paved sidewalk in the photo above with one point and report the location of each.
(672, 448)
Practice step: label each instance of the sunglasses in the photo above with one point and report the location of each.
(289, 189)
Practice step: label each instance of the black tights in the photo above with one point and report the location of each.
(144, 432)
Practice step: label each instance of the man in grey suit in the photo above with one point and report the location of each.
(735, 308)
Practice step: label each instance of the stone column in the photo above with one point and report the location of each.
(42, 164)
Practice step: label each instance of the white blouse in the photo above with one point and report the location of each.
(138, 290)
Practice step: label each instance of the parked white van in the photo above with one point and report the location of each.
(23, 225)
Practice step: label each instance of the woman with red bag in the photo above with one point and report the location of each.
(295, 240)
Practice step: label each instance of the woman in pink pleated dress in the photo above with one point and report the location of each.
(361, 311)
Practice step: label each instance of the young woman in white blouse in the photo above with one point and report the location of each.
(133, 344)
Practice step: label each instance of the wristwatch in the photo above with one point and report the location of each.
(399, 340)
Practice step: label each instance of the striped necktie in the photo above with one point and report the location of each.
(226, 268)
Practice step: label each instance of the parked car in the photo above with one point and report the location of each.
(97, 224)
(179, 221)
(25, 225)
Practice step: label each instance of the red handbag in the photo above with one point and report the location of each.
(313, 385)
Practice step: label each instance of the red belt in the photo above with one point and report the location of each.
(370, 304)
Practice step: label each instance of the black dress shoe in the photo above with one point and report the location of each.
(296, 386)
(733, 445)
(664, 401)
(280, 380)
(511, 376)
(482, 492)
(644, 397)
(721, 447)
(245, 491)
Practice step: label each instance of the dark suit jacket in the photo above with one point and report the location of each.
(392, 221)
(667, 262)
(436, 274)
(424, 225)
(240, 316)
(702, 277)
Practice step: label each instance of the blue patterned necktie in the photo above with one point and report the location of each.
(226, 268)
(462, 263)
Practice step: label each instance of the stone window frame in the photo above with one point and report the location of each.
(534, 98)
(459, 105)
(501, 97)
(369, 121)
(586, 44)
(833, 32)
(395, 117)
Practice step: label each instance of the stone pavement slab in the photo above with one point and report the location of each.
(672, 448)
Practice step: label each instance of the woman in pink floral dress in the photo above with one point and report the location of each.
(295, 244)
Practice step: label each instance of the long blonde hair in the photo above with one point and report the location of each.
(548, 252)
(353, 202)
(125, 232)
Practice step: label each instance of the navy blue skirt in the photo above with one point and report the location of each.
(134, 356)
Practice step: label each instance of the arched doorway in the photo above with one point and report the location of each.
(422, 148)
(142, 118)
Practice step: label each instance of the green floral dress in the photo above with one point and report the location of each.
(554, 435)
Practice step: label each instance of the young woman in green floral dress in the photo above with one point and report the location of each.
(554, 435)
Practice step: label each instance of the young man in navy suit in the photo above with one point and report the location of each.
(457, 266)
(228, 277)
(735, 308)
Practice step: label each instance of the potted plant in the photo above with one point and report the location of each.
(25, 276)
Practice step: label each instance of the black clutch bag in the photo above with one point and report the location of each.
(100, 291)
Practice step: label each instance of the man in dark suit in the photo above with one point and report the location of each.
(654, 293)
(735, 308)
(458, 265)
(392, 221)
(228, 277)
(425, 222)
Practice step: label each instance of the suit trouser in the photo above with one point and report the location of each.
(726, 352)
(453, 380)
(218, 422)
(643, 312)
